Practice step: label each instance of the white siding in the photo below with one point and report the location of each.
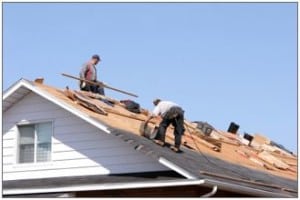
(78, 148)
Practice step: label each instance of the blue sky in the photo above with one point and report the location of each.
(221, 62)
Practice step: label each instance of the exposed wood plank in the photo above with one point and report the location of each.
(272, 160)
(294, 158)
(283, 152)
(84, 101)
(88, 103)
(131, 116)
(256, 161)
(198, 141)
(99, 96)
(261, 139)
(253, 156)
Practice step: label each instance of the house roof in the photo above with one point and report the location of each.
(219, 172)
(228, 169)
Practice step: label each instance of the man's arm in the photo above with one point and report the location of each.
(156, 112)
(149, 118)
(83, 71)
(82, 75)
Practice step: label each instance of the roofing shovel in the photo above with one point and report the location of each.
(100, 84)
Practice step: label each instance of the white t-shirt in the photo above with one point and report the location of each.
(163, 107)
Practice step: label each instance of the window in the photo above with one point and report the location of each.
(35, 142)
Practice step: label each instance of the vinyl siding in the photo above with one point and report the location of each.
(78, 148)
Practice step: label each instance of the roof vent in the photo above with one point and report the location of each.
(39, 80)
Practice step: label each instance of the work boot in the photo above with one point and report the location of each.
(159, 142)
(176, 149)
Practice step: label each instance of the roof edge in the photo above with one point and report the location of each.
(176, 168)
(244, 189)
(27, 84)
(14, 87)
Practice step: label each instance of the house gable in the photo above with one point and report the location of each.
(78, 147)
(23, 87)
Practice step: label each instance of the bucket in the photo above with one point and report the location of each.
(147, 131)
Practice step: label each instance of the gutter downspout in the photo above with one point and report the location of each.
(213, 192)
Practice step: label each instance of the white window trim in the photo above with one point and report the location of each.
(17, 152)
(41, 165)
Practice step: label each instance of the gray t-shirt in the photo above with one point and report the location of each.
(88, 72)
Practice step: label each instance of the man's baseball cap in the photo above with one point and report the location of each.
(156, 101)
(96, 57)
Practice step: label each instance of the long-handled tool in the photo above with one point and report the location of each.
(99, 84)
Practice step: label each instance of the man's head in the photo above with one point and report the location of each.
(96, 59)
(156, 101)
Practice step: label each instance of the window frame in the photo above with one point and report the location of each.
(34, 123)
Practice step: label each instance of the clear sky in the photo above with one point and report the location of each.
(221, 62)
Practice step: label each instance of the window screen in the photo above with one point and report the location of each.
(44, 132)
(35, 142)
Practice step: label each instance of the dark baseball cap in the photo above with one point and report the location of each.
(96, 57)
(156, 101)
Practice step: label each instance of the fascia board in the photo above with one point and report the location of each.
(111, 186)
(13, 88)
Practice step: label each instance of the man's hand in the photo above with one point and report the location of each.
(148, 119)
(82, 84)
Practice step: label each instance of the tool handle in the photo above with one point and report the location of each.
(100, 84)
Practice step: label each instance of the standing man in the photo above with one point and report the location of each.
(171, 113)
(89, 72)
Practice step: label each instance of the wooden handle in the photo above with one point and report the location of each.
(99, 84)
